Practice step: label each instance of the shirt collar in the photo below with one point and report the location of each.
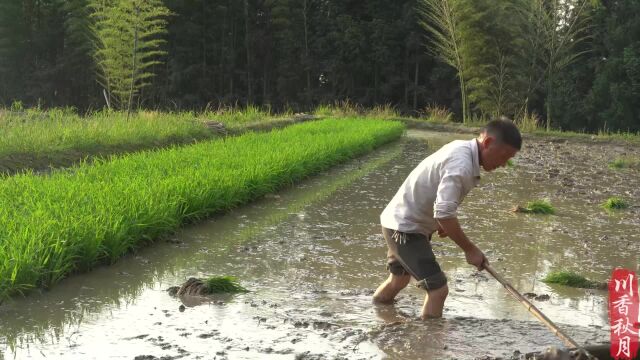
(476, 158)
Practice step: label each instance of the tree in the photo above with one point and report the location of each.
(442, 19)
(553, 30)
(127, 35)
(12, 49)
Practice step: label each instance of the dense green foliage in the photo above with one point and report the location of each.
(575, 63)
(73, 219)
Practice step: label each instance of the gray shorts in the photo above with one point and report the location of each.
(411, 253)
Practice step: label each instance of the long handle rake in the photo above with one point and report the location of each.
(569, 342)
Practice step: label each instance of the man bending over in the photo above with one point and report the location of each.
(427, 202)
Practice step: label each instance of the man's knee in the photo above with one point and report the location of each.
(400, 281)
(439, 293)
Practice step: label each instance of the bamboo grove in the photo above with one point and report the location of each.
(574, 63)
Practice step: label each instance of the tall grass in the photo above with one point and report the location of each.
(71, 220)
(344, 108)
(528, 122)
(234, 117)
(383, 112)
(58, 130)
(438, 114)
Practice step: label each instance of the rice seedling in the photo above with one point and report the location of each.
(73, 219)
(223, 284)
(624, 163)
(615, 203)
(571, 279)
(536, 207)
(510, 163)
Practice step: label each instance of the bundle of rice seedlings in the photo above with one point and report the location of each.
(615, 203)
(223, 284)
(536, 207)
(568, 278)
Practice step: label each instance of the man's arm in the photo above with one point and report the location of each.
(472, 253)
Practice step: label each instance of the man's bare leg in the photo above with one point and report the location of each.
(388, 290)
(434, 302)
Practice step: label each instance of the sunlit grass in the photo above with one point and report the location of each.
(73, 219)
(234, 117)
(344, 108)
(59, 130)
(438, 114)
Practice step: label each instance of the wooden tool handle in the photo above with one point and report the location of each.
(569, 342)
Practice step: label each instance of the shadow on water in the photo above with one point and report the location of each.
(312, 255)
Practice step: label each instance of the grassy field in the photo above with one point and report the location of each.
(34, 139)
(73, 219)
(57, 130)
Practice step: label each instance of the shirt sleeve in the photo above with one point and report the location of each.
(449, 192)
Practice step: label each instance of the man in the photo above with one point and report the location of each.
(427, 202)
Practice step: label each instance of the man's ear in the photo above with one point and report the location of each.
(486, 140)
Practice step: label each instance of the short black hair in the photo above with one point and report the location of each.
(505, 131)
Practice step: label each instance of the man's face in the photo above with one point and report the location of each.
(495, 153)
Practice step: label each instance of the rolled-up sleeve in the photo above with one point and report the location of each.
(448, 196)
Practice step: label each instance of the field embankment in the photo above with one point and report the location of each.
(73, 219)
(40, 140)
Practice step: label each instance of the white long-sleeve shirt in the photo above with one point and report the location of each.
(434, 189)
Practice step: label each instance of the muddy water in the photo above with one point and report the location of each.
(312, 256)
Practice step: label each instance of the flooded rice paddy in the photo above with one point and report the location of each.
(312, 256)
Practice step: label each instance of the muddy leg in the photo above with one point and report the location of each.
(388, 290)
(434, 302)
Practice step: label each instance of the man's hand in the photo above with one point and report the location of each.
(476, 258)
(451, 227)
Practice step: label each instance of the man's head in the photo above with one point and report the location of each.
(499, 141)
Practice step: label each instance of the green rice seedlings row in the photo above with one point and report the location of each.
(571, 279)
(536, 207)
(223, 284)
(615, 203)
(59, 130)
(71, 220)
